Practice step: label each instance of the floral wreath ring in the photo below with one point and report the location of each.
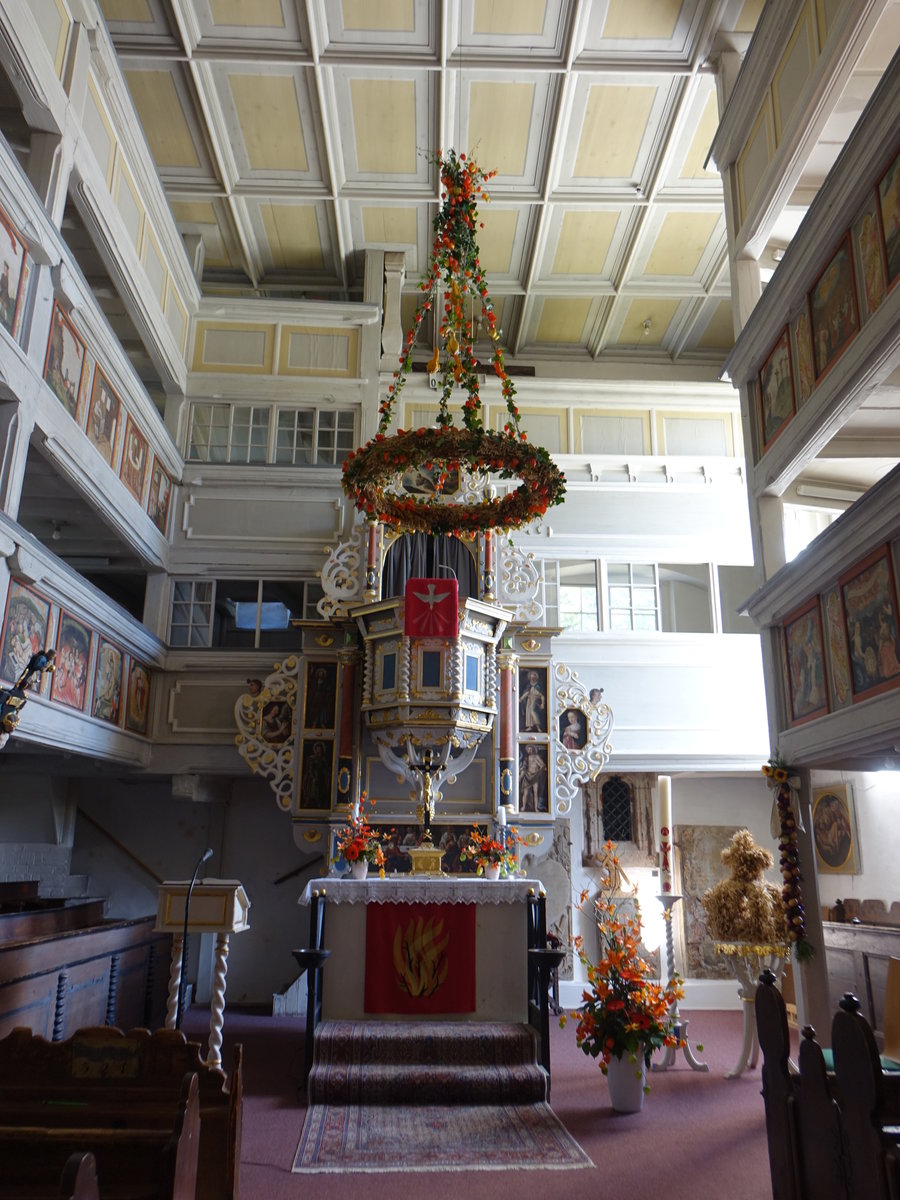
(369, 471)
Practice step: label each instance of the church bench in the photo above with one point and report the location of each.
(104, 1077)
(134, 1160)
(77, 1182)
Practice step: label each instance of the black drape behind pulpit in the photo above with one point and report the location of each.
(426, 556)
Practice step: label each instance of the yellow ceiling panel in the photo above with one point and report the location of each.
(239, 12)
(389, 226)
(267, 110)
(127, 10)
(563, 320)
(386, 16)
(750, 14)
(194, 212)
(509, 17)
(615, 119)
(584, 242)
(696, 156)
(384, 117)
(719, 333)
(495, 241)
(654, 309)
(681, 242)
(499, 120)
(162, 117)
(641, 18)
(293, 235)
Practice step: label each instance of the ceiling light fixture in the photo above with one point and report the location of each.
(646, 324)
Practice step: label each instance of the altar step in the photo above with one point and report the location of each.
(425, 1062)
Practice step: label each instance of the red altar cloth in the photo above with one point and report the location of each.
(420, 958)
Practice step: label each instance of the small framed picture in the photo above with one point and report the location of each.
(64, 363)
(160, 495)
(134, 459)
(806, 372)
(276, 722)
(25, 630)
(869, 257)
(107, 702)
(776, 390)
(103, 417)
(833, 310)
(889, 210)
(315, 773)
(533, 700)
(805, 654)
(834, 830)
(573, 729)
(837, 651)
(13, 273)
(534, 772)
(137, 705)
(73, 656)
(321, 692)
(869, 596)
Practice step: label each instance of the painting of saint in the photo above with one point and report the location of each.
(833, 310)
(868, 247)
(276, 721)
(321, 688)
(533, 700)
(806, 663)
(838, 653)
(315, 774)
(65, 361)
(870, 613)
(806, 372)
(573, 729)
(833, 830)
(12, 275)
(134, 460)
(160, 494)
(889, 205)
(533, 776)
(73, 652)
(776, 390)
(24, 632)
(137, 707)
(103, 418)
(108, 683)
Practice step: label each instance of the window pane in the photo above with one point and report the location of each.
(644, 573)
(619, 620)
(618, 573)
(645, 597)
(282, 602)
(234, 597)
(645, 621)
(620, 597)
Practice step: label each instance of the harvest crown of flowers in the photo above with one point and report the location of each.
(370, 474)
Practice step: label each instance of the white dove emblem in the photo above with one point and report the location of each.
(430, 598)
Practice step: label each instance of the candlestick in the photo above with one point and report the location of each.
(501, 816)
(665, 834)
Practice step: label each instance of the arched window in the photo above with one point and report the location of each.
(616, 809)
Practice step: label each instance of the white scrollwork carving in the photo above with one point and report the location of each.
(273, 760)
(519, 583)
(580, 732)
(342, 580)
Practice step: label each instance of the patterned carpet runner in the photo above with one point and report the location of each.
(419, 1096)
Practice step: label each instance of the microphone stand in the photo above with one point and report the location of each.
(204, 857)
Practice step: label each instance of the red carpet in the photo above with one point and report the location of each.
(698, 1136)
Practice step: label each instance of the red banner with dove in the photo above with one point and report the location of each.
(420, 958)
(432, 608)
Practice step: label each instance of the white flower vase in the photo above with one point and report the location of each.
(492, 870)
(359, 869)
(626, 1083)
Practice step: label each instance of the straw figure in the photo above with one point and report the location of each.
(744, 908)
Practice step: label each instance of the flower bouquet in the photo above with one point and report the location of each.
(358, 843)
(624, 1013)
(491, 856)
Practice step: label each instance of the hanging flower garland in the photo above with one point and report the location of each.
(779, 778)
(371, 475)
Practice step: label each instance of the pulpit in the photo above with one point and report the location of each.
(218, 906)
(414, 947)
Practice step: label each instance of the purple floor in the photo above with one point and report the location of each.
(700, 1136)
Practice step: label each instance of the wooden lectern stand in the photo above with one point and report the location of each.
(218, 906)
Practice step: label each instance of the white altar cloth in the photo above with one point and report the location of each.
(422, 889)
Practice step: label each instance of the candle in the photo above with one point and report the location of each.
(354, 811)
(501, 816)
(665, 833)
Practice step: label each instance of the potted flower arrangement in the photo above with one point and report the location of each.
(359, 844)
(625, 1015)
(491, 857)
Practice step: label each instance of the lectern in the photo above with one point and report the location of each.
(218, 906)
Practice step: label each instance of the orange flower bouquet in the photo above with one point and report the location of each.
(358, 841)
(487, 851)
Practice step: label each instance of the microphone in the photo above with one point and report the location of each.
(179, 1011)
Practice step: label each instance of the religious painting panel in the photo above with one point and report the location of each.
(107, 702)
(573, 729)
(137, 707)
(698, 864)
(64, 364)
(534, 772)
(13, 274)
(25, 628)
(834, 830)
(321, 693)
(840, 689)
(276, 722)
(316, 770)
(398, 839)
(776, 390)
(805, 376)
(805, 651)
(103, 417)
(73, 653)
(134, 459)
(889, 210)
(833, 311)
(160, 495)
(533, 700)
(869, 257)
(869, 597)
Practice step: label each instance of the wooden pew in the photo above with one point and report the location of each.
(138, 1158)
(112, 1078)
(79, 1177)
(777, 1089)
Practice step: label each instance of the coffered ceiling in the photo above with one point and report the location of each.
(291, 135)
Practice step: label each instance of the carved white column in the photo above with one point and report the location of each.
(391, 324)
(217, 1002)
(174, 980)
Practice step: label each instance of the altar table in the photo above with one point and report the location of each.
(500, 936)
